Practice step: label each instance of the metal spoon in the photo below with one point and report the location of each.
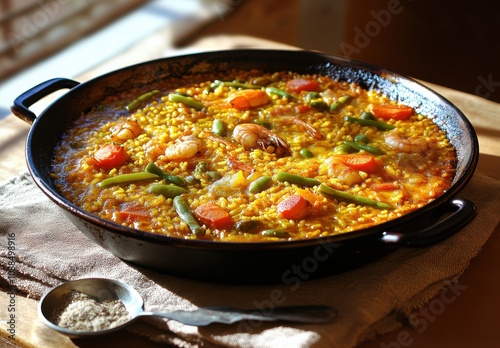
(108, 289)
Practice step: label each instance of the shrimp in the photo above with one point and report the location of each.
(335, 168)
(281, 110)
(249, 99)
(237, 165)
(405, 144)
(303, 125)
(126, 130)
(154, 149)
(254, 136)
(184, 147)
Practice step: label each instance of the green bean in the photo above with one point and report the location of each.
(124, 178)
(218, 127)
(261, 81)
(361, 138)
(360, 146)
(369, 123)
(367, 116)
(344, 196)
(296, 179)
(306, 153)
(134, 104)
(259, 184)
(276, 233)
(263, 123)
(334, 106)
(169, 191)
(340, 101)
(240, 84)
(188, 101)
(234, 84)
(214, 175)
(312, 95)
(182, 209)
(344, 99)
(318, 104)
(248, 226)
(280, 92)
(344, 148)
(177, 180)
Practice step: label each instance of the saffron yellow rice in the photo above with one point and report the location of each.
(414, 165)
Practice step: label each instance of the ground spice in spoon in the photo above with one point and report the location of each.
(81, 312)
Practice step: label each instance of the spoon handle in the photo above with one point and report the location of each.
(228, 315)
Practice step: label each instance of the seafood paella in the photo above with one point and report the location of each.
(252, 156)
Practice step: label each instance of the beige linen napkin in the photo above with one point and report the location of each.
(372, 299)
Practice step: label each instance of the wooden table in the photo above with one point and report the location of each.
(469, 321)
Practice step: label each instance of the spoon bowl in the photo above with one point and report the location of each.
(98, 288)
(109, 289)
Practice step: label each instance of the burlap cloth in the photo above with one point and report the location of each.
(372, 299)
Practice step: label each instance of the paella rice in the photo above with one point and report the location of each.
(252, 156)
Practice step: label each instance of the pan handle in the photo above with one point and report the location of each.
(451, 217)
(31, 96)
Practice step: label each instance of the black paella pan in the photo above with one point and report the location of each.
(284, 261)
